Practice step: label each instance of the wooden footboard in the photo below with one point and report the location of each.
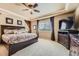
(13, 48)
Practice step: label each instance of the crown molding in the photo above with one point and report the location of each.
(13, 13)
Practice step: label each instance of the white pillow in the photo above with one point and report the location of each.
(15, 31)
(8, 31)
(22, 31)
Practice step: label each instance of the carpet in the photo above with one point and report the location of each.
(43, 47)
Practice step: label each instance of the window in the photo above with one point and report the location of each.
(45, 25)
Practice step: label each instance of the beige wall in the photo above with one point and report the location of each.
(45, 34)
(56, 22)
(15, 18)
(3, 20)
(32, 24)
(77, 18)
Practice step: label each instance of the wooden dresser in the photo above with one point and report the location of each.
(74, 45)
(63, 38)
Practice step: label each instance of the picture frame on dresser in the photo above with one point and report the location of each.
(19, 22)
(9, 20)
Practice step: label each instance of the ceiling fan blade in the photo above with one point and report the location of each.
(25, 9)
(36, 10)
(24, 4)
(35, 5)
(28, 5)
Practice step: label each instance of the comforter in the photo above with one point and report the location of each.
(16, 38)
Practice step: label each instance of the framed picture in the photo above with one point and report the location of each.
(9, 20)
(19, 22)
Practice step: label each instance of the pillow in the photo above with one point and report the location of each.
(22, 31)
(8, 31)
(15, 31)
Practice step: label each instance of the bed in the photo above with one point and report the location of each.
(16, 41)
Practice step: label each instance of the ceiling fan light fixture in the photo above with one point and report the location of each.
(32, 7)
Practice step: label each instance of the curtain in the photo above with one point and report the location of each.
(52, 28)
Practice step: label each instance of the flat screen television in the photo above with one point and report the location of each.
(65, 24)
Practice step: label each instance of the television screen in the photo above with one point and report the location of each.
(63, 25)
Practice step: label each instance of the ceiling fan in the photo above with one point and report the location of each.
(31, 7)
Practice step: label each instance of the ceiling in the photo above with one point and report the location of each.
(45, 8)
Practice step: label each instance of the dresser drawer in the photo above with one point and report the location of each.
(64, 40)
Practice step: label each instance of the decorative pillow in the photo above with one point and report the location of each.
(15, 31)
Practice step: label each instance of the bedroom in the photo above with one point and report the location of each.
(31, 27)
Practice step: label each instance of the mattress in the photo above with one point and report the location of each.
(17, 38)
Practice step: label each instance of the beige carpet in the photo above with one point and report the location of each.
(43, 48)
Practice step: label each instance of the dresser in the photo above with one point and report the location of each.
(63, 38)
(74, 45)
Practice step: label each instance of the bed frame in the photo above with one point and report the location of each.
(13, 48)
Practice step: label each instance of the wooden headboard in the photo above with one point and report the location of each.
(10, 27)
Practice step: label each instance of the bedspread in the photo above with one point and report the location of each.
(16, 38)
